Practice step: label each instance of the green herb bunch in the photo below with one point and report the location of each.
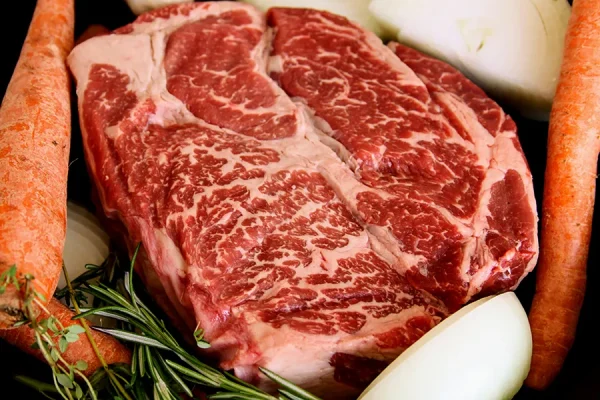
(52, 339)
(161, 368)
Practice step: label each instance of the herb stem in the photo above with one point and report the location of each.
(33, 383)
(88, 333)
(130, 278)
(56, 384)
(53, 365)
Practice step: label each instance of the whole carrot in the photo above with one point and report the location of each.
(111, 350)
(35, 125)
(573, 146)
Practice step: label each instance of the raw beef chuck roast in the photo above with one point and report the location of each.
(313, 199)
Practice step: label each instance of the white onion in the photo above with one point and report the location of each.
(511, 48)
(481, 352)
(355, 10)
(86, 243)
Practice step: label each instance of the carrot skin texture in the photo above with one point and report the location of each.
(35, 127)
(112, 350)
(567, 210)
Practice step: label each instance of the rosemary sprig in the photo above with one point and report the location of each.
(159, 357)
(113, 380)
(104, 273)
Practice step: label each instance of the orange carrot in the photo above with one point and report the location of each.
(35, 126)
(573, 146)
(112, 350)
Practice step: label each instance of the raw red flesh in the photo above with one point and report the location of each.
(308, 227)
(451, 194)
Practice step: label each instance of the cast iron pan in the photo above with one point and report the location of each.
(580, 378)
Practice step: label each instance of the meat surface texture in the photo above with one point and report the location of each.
(314, 200)
(450, 194)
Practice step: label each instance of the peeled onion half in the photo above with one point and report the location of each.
(481, 352)
(86, 243)
(511, 48)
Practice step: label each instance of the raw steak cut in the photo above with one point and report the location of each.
(317, 228)
(208, 163)
(450, 194)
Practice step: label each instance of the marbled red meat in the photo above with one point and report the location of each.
(312, 200)
(449, 190)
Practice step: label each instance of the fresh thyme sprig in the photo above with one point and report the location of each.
(159, 356)
(52, 338)
(9, 277)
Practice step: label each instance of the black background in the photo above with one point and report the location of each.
(580, 378)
